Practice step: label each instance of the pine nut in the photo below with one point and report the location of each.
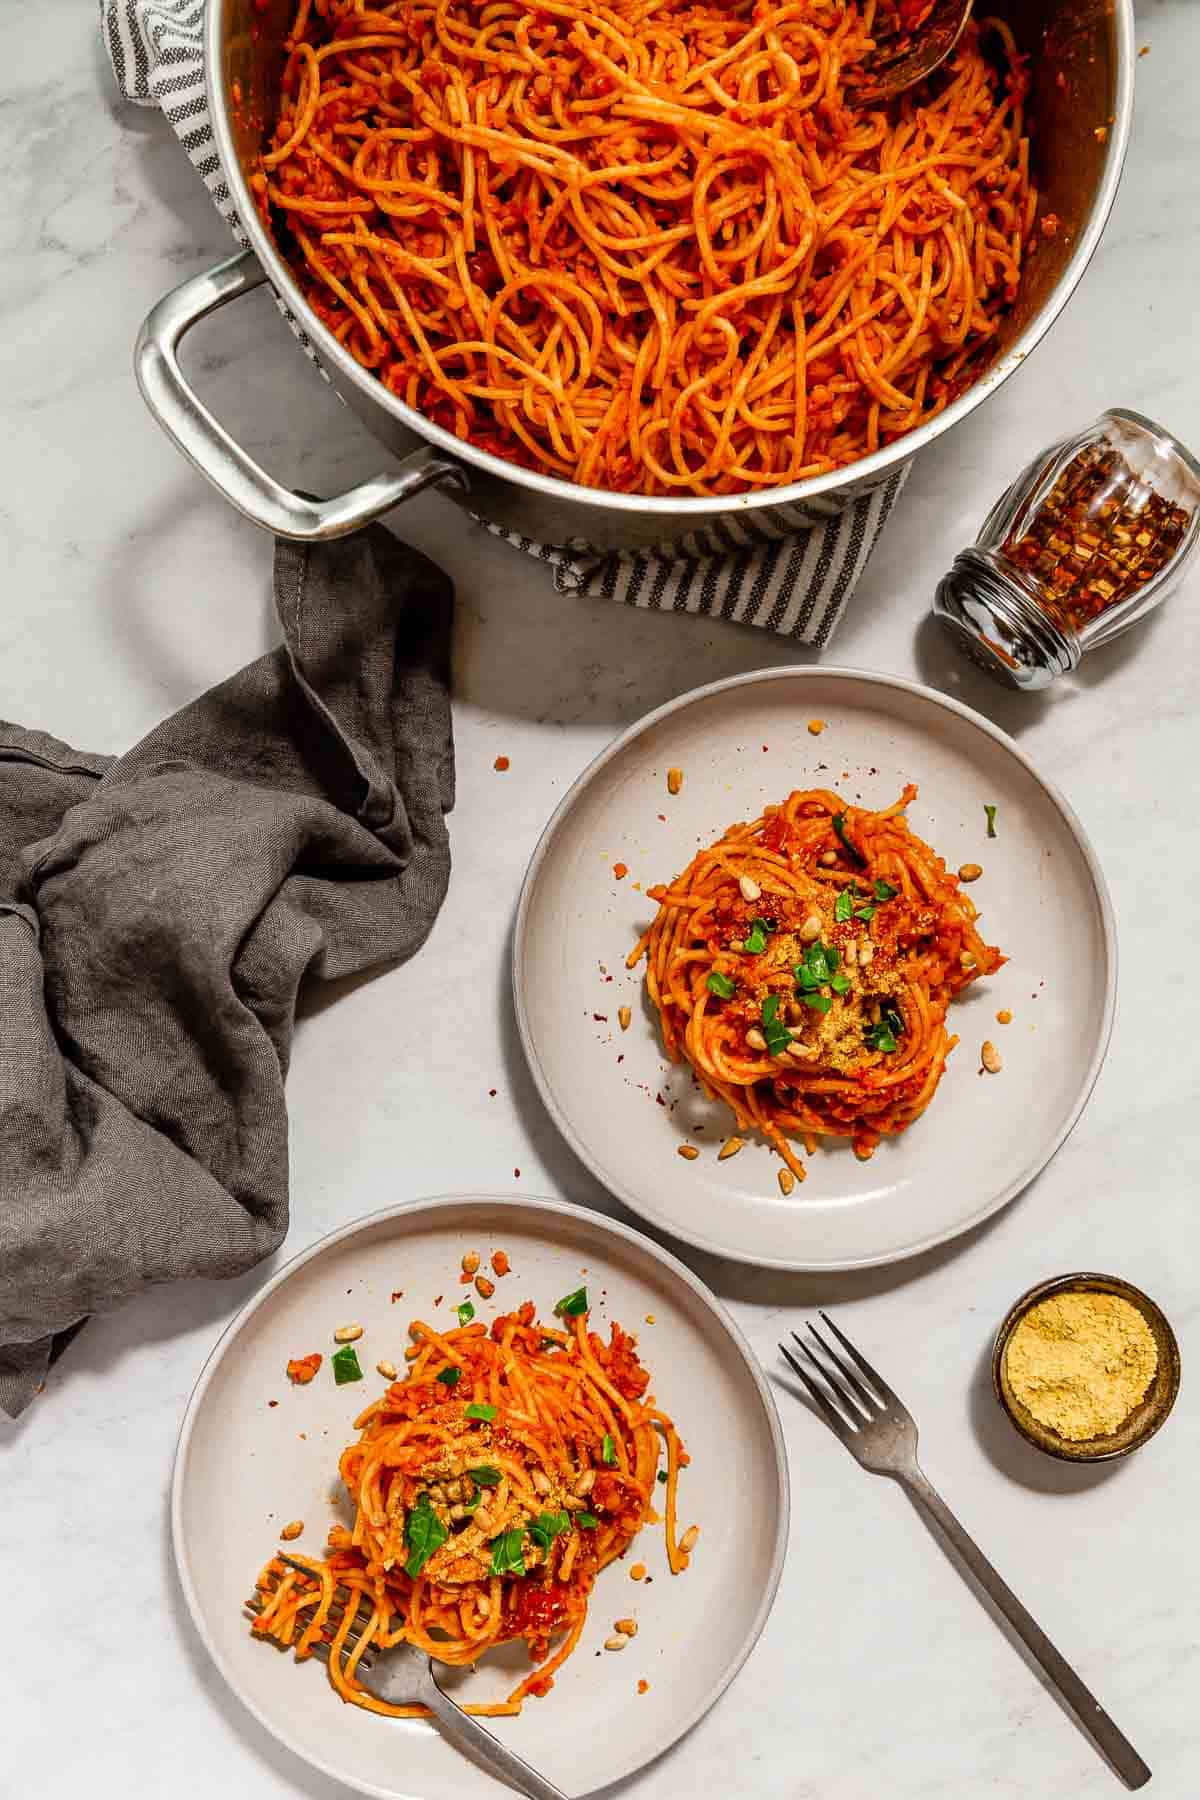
(484, 1286)
(866, 955)
(616, 1642)
(573, 1503)
(850, 952)
(485, 1522)
(737, 944)
(729, 1148)
(674, 780)
(458, 1512)
(586, 1482)
(688, 1152)
(755, 1038)
(750, 888)
(810, 931)
(626, 1626)
(470, 1262)
(624, 1017)
(541, 1481)
(787, 1181)
(829, 857)
(347, 1334)
(687, 1542)
(990, 1057)
(970, 871)
(387, 1370)
(292, 1531)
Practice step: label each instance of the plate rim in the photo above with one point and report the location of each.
(805, 673)
(532, 1203)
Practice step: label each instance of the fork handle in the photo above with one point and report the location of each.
(1106, 1735)
(470, 1735)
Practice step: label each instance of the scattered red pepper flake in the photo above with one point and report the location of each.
(501, 764)
(302, 1369)
(500, 1262)
(643, 1686)
(272, 1403)
(517, 1174)
(491, 1093)
(398, 1295)
(620, 870)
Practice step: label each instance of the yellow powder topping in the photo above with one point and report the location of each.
(1081, 1363)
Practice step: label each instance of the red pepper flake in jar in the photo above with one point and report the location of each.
(1090, 536)
(1098, 535)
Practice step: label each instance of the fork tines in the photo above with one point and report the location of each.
(846, 1401)
(342, 1597)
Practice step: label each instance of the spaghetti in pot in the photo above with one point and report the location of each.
(804, 964)
(647, 245)
(490, 1486)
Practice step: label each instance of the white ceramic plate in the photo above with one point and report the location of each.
(243, 1469)
(741, 744)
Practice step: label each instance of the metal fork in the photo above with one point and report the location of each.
(878, 1429)
(404, 1676)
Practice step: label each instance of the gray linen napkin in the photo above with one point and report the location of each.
(158, 913)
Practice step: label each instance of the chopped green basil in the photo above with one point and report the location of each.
(424, 1533)
(571, 1305)
(507, 1552)
(843, 906)
(770, 1009)
(479, 1409)
(588, 1520)
(765, 924)
(663, 1476)
(819, 1002)
(466, 1312)
(991, 819)
(839, 826)
(608, 1448)
(840, 984)
(449, 1377)
(721, 986)
(884, 889)
(345, 1365)
(485, 1476)
(547, 1526)
(865, 913)
(756, 943)
(885, 1035)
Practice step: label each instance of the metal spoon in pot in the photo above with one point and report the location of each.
(908, 47)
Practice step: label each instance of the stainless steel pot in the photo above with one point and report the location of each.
(1082, 72)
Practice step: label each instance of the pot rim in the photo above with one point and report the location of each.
(869, 472)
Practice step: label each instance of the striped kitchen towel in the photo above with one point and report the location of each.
(789, 569)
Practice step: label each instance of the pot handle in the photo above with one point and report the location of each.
(209, 447)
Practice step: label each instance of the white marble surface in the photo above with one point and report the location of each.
(129, 587)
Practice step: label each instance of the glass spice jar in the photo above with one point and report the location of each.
(1091, 536)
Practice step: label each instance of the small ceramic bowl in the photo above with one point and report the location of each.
(1147, 1415)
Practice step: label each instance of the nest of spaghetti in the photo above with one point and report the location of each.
(650, 246)
(804, 966)
(490, 1487)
